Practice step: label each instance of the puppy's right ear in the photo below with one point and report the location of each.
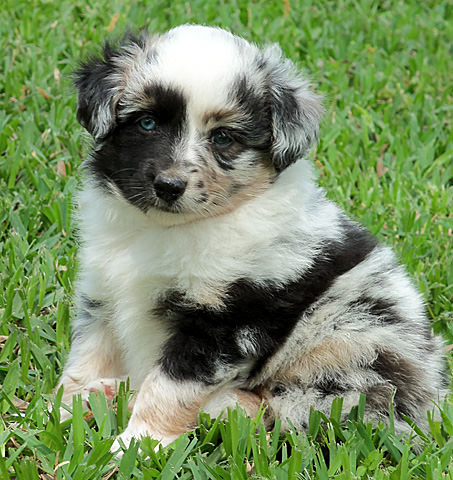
(98, 93)
(296, 110)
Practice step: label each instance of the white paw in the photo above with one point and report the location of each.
(109, 386)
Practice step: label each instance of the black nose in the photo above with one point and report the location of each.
(169, 188)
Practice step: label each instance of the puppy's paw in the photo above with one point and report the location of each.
(109, 386)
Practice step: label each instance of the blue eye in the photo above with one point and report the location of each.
(148, 124)
(221, 139)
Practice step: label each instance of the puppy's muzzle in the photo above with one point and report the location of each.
(169, 188)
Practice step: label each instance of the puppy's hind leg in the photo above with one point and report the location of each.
(392, 384)
(94, 362)
(291, 403)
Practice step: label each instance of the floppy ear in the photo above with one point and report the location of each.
(295, 110)
(98, 93)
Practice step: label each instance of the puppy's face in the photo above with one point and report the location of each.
(194, 122)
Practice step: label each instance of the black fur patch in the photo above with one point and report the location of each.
(225, 159)
(252, 132)
(131, 158)
(404, 377)
(90, 303)
(203, 338)
(286, 116)
(379, 398)
(330, 386)
(379, 307)
(255, 131)
(94, 80)
(278, 390)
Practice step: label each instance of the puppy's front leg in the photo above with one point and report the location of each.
(94, 362)
(165, 408)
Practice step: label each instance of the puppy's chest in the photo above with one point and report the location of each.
(148, 276)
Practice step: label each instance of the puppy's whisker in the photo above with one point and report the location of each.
(119, 173)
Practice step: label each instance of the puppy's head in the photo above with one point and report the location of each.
(193, 122)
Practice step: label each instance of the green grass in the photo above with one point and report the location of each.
(386, 156)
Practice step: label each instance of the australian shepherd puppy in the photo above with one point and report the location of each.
(214, 271)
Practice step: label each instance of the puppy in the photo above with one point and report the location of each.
(214, 272)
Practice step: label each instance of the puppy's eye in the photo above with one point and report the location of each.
(148, 124)
(221, 139)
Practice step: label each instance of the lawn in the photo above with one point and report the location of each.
(385, 155)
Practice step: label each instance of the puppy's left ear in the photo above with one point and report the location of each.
(97, 83)
(296, 110)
